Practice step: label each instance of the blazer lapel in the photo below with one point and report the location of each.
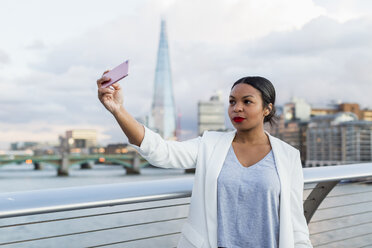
(214, 166)
(278, 157)
(282, 164)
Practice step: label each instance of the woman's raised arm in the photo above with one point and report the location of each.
(159, 152)
(112, 99)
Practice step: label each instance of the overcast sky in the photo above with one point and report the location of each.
(52, 52)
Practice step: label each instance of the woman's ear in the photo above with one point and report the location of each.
(268, 109)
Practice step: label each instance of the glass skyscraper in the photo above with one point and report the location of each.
(163, 115)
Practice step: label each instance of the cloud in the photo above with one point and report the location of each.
(324, 60)
(302, 50)
(319, 35)
(228, 23)
(42, 131)
(59, 98)
(345, 10)
(36, 45)
(4, 58)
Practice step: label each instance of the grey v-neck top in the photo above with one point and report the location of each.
(248, 203)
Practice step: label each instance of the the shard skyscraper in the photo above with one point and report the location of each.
(163, 113)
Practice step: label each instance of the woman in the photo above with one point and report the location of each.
(245, 180)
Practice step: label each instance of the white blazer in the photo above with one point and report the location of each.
(207, 153)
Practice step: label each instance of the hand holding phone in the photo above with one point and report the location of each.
(116, 74)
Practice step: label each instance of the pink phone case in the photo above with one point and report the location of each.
(119, 72)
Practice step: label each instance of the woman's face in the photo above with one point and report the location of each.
(245, 107)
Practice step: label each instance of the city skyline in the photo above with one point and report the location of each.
(332, 108)
(317, 50)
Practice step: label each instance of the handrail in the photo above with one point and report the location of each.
(24, 203)
(16, 204)
(165, 219)
(337, 172)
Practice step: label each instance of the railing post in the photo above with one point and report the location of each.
(63, 167)
(135, 169)
(86, 165)
(38, 166)
(317, 195)
(64, 162)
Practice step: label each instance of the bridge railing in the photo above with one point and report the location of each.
(137, 214)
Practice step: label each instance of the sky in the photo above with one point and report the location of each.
(52, 53)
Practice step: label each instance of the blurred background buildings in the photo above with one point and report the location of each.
(336, 134)
(211, 114)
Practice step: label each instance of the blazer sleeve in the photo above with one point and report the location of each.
(300, 228)
(168, 153)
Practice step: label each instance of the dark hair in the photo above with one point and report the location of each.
(267, 93)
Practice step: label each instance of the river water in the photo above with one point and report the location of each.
(348, 210)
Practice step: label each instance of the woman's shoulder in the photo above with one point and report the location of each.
(214, 136)
(217, 134)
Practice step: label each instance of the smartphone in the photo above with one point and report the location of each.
(116, 74)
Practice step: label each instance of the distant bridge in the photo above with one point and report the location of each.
(132, 162)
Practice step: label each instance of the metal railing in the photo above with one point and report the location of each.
(339, 212)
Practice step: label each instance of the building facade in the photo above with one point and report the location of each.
(293, 132)
(338, 139)
(362, 114)
(211, 114)
(297, 109)
(292, 125)
(298, 116)
(81, 140)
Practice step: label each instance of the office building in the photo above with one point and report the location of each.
(338, 139)
(211, 114)
(80, 140)
(297, 109)
(163, 115)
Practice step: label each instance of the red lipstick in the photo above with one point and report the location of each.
(238, 119)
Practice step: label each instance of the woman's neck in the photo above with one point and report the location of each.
(253, 137)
